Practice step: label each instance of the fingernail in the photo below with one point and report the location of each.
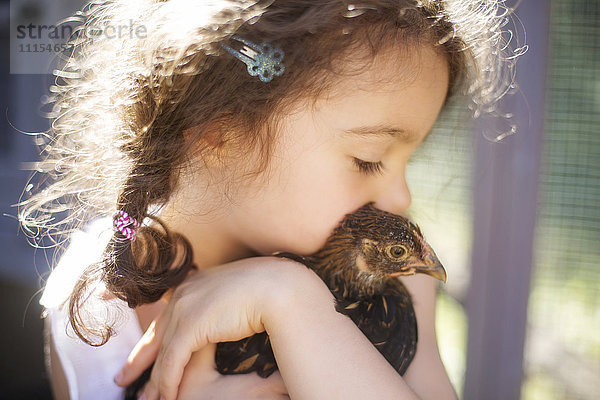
(118, 377)
(142, 397)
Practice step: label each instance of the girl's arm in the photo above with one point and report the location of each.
(426, 373)
(314, 343)
(321, 353)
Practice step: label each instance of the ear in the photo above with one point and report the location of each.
(206, 141)
(368, 246)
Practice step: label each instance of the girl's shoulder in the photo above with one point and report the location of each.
(85, 247)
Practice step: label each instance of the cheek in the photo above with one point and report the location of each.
(314, 201)
(303, 229)
(305, 199)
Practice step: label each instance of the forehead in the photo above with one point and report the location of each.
(399, 88)
(392, 68)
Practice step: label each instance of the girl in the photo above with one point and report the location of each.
(212, 134)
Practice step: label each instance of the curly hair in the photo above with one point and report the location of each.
(130, 113)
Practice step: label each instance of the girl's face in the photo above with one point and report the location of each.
(326, 161)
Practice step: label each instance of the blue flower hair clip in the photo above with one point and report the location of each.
(262, 59)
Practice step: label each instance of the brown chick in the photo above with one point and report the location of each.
(360, 263)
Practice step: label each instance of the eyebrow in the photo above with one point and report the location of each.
(384, 131)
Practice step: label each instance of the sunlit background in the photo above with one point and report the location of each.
(562, 337)
(561, 334)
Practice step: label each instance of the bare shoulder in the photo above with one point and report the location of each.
(426, 374)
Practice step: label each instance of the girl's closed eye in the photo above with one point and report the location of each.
(368, 167)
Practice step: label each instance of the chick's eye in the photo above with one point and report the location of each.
(397, 251)
(369, 168)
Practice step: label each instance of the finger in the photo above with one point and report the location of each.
(152, 386)
(174, 356)
(270, 387)
(151, 391)
(276, 383)
(274, 396)
(202, 364)
(143, 354)
(204, 359)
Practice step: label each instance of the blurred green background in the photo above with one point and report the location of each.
(562, 347)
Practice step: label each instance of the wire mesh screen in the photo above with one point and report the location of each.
(562, 356)
(439, 178)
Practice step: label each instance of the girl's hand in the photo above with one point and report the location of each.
(224, 303)
(201, 381)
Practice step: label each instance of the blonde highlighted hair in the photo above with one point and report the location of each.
(121, 105)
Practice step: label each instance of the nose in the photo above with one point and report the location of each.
(394, 196)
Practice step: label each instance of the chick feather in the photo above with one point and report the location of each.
(360, 263)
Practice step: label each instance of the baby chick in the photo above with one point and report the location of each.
(359, 263)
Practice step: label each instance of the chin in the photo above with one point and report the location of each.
(298, 246)
(309, 247)
(299, 242)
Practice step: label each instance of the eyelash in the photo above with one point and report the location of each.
(369, 168)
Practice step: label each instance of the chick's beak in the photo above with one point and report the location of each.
(429, 264)
(437, 271)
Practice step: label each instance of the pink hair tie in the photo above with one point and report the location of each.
(122, 222)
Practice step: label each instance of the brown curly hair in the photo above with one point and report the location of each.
(130, 114)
